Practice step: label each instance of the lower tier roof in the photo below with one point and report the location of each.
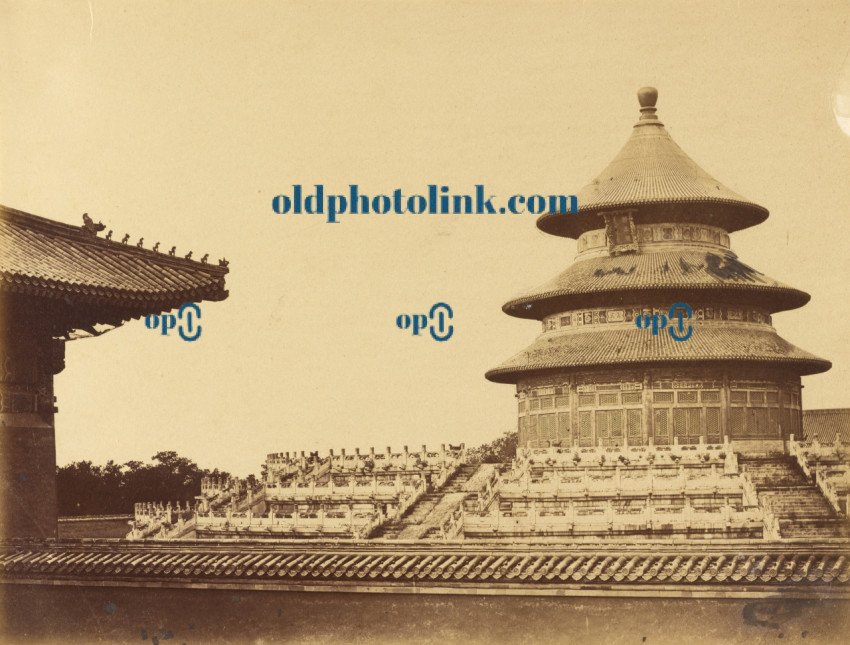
(710, 342)
(680, 273)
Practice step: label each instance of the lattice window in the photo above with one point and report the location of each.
(711, 396)
(634, 426)
(562, 401)
(609, 399)
(585, 431)
(662, 426)
(689, 396)
(615, 423)
(531, 430)
(773, 421)
(586, 400)
(772, 397)
(564, 430)
(631, 398)
(609, 426)
(712, 422)
(758, 422)
(736, 422)
(521, 407)
(693, 417)
(680, 423)
(547, 428)
(738, 397)
(757, 397)
(546, 403)
(662, 397)
(535, 404)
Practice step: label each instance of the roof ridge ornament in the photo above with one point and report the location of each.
(647, 97)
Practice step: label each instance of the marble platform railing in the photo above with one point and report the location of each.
(575, 457)
(645, 481)
(373, 489)
(315, 465)
(607, 518)
(357, 523)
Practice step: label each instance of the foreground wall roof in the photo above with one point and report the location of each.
(823, 566)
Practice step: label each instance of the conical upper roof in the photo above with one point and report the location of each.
(651, 172)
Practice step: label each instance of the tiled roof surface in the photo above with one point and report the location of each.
(828, 424)
(652, 169)
(271, 564)
(628, 345)
(51, 259)
(680, 272)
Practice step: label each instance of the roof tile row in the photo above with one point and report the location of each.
(452, 566)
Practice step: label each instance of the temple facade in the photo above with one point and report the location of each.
(653, 230)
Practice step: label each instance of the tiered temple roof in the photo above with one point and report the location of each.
(653, 230)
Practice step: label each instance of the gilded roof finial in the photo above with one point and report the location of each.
(647, 97)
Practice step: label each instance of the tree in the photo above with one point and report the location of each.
(86, 489)
(498, 451)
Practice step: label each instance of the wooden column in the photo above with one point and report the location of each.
(648, 422)
(574, 410)
(29, 358)
(724, 406)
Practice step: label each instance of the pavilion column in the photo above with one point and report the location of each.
(29, 358)
(724, 406)
(574, 411)
(647, 407)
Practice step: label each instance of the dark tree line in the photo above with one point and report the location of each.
(498, 451)
(86, 489)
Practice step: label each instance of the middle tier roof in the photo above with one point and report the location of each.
(674, 275)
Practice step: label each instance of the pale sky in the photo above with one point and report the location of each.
(179, 122)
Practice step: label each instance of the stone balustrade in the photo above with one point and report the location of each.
(624, 481)
(604, 518)
(375, 488)
(829, 466)
(813, 454)
(441, 462)
(834, 483)
(452, 527)
(353, 522)
(159, 520)
(675, 454)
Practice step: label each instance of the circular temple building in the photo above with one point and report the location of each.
(653, 230)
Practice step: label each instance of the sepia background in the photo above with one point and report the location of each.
(179, 122)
